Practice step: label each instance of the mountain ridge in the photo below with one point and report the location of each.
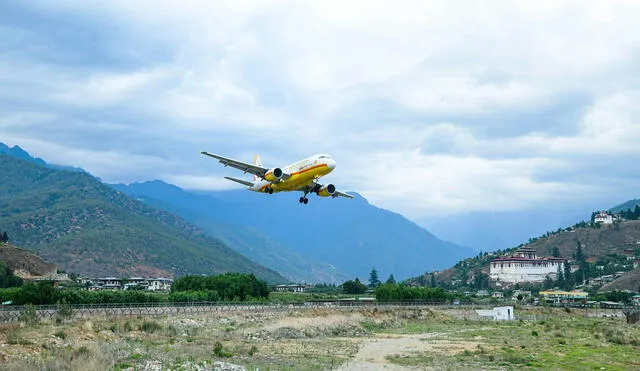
(351, 235)
(84, 226)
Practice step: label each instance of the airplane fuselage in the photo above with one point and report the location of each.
(302, 173)
(300, 176)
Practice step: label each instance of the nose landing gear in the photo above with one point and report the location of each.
(303, 200)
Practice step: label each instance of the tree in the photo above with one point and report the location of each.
(581, 273)
(548, 283)
(7, 278)
(4, 237)
(391, 279)
(560, 281)
(555, 252)
(433, 280)
(568, 278)
(373, 278)
(354, 287)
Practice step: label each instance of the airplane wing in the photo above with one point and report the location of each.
(247, 168)
(338, 193)
(243, 182)
(315, 187)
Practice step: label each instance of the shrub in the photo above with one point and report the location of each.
(219, 351)
(29, 315)
(150, 326)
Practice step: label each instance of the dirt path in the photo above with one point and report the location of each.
(373, 352)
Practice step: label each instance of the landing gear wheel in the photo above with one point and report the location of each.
(270, 190)
(306, 201)
(302, 199)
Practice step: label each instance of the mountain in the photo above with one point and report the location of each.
(73, 220)
(612, 247)
(248, 241)
(25, 263)
(629, 205)
(629, 281)
(20, 153)
(595, 242)
(351, 235)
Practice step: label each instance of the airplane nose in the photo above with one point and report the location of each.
(331, 164)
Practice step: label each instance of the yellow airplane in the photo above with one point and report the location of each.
(300, 176)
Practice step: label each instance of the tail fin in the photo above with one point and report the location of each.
(258, 162)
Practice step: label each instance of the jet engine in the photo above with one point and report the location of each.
(326, 191)
(273, 175)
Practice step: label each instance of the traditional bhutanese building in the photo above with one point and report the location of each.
(524, 266)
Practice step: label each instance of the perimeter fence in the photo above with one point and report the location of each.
(10, 313)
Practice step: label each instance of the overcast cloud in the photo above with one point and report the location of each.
(430, 108)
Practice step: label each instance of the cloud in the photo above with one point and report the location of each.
(428, 107)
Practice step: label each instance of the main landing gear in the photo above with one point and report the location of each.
(268, 190)
(304, 200)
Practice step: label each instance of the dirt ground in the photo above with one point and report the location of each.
(311, 339)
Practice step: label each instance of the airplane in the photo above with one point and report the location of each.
(300, 176)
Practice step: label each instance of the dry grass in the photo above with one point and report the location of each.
(320, 340)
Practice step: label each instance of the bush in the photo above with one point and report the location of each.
(219, 351)
(150, 326)
(64, 310)
(29, 315)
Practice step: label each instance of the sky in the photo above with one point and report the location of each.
(430, 108)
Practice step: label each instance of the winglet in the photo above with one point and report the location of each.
(258, 162)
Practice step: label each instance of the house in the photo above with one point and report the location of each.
(159, 284)
(136, 282)
(294, 287)
(524, 266)
(603, 217)
(110, 283)
(497, 294)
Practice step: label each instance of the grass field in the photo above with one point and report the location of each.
(325, 339)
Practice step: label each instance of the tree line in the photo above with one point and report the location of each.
(225, 287)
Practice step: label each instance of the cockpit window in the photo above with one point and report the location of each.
(324, 156)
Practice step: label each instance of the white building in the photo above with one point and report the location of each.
(525, 266)
(159, 284)
(603, 217)
(295, 287)
(497, 313)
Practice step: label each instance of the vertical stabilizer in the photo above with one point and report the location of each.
(258, 162)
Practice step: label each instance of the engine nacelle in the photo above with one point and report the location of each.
(326, 191)
(273, 175)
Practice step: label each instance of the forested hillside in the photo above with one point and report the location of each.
(83, 226)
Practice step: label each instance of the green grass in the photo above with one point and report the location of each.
(574, 343)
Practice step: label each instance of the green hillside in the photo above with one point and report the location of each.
(84, 226)
(612, 248)
(629, 205)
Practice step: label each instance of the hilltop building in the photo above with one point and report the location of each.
(524, 266)
(603, 217)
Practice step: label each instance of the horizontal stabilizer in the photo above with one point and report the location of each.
(244, 182)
